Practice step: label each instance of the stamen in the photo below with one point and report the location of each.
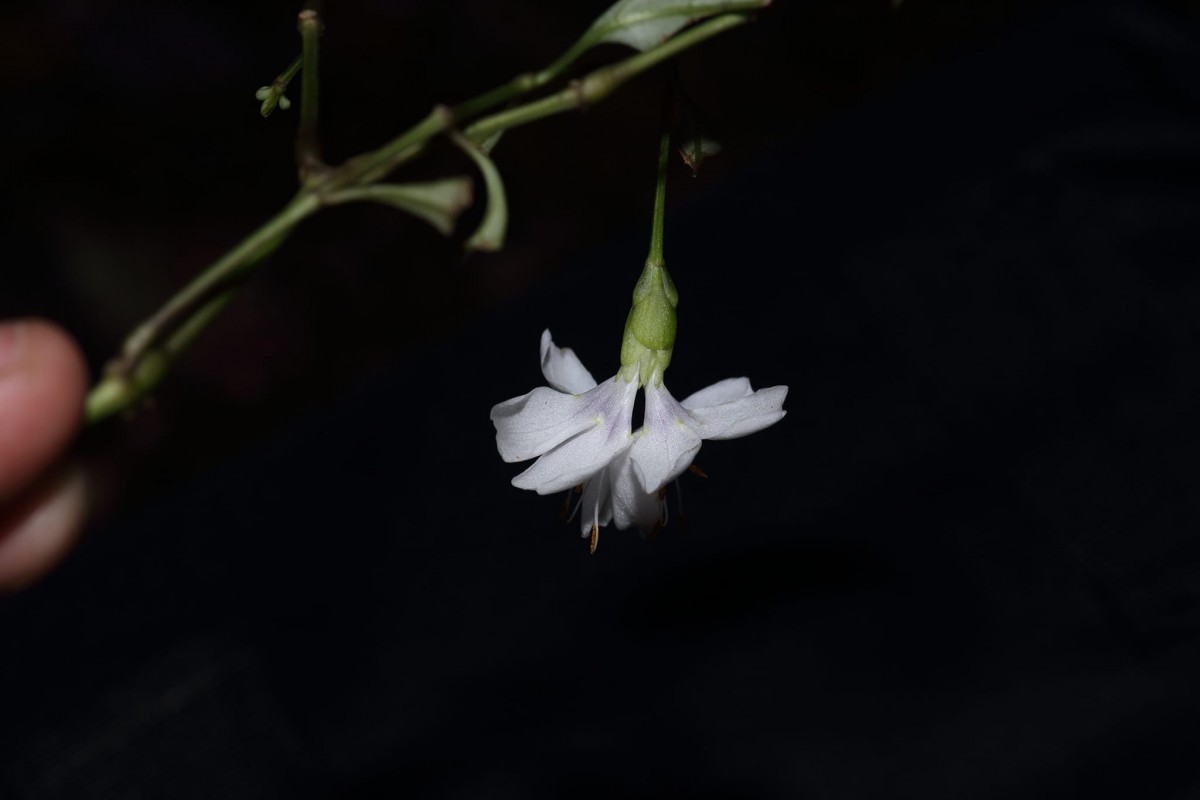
(579, 491)
(696, 470)
(596, 506)
(595, 539)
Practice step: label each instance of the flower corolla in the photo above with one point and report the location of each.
(580, 432)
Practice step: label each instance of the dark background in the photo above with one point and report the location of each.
(965, 565)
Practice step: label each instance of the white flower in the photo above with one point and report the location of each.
(575, 428)
(580, 432)
(672, 431)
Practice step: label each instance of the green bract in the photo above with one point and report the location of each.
(650, 327)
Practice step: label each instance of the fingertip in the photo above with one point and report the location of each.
(43, 385)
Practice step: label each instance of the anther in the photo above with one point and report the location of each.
(595, 539)
(693, 468)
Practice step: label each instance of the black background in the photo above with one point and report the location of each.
(965, 565)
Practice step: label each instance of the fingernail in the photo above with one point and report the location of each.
(12, 345)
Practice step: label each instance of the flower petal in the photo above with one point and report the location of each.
(610, 407)
(631, 505)
(573, 461)
(533, 423)
(720, 392)
(742, 416)
(596, 508)
(563, 369)
(667, 444)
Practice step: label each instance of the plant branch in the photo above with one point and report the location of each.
(375, 165)
(116, 393)
(599, 84)
(522, 84)
(216, 278)
(151, 348)
(308, 146)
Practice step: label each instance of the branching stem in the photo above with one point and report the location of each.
(151, 348)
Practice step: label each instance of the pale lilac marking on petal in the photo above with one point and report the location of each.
(720, 392)
(743, 416)
(533, 423)
(563, 369)
(610, 407)
(667, 444)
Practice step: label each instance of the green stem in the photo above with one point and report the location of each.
(499, 96)
(592, 88)
(249, 251)
(660, 201)
(116, 392)
(155, 344)
(530, 81)
(522, 84)
(375, 165)
(599, 84)
(286, 77)
(308, 147)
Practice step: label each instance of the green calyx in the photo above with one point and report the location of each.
(650, 327)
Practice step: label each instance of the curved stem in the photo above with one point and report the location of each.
(150, 349)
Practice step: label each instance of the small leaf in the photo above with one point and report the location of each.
(489, 235)
(437, 202)
(645, 24)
